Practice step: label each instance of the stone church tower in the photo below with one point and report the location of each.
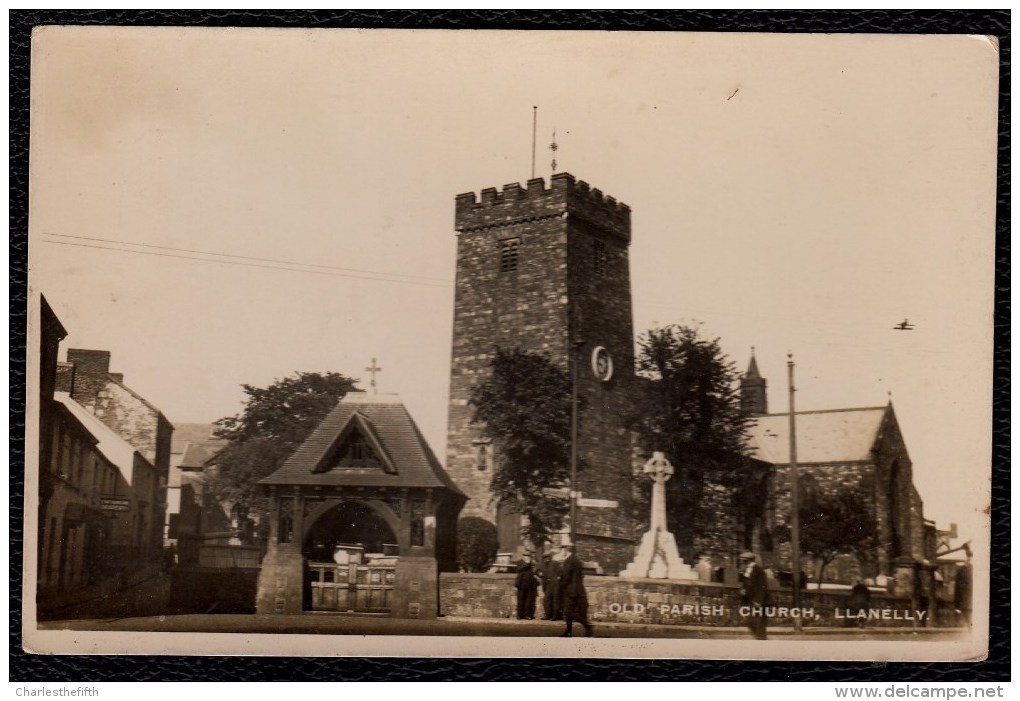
(547, 270)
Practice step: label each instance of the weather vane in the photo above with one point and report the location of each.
(554, 147)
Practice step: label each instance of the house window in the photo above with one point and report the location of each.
(508, 255)
(601, 257)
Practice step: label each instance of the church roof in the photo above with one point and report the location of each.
(197, 454)
(185, 433)
(832, 436)
(752, 369)
(386, 424)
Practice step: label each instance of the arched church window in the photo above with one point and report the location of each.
(483, 456)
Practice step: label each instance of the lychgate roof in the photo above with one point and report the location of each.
(835, 436)
(407, 460)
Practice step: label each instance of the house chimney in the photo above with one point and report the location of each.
(91, 373)
(117, 377)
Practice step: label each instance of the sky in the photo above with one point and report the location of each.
(226, 206)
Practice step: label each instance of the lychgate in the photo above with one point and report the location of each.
(362, 517)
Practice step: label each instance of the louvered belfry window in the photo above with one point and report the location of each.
(509, 250)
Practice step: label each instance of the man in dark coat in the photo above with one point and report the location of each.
(527, 589)
(549, 574)
(963, 591)
(755, 591)
(575, 598)
(860, 599)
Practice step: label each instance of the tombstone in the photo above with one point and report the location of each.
(657, 556)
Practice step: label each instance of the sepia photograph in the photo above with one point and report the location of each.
(365, 342)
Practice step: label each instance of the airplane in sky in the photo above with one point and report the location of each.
(904, 326)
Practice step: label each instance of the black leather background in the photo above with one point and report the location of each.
(25, 667)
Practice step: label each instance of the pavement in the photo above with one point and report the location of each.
(323, 623)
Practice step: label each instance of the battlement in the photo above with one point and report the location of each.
(565, 195)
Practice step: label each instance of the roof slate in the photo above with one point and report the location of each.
(834, 436)
(114, 448)
(398, 435)
(196, 455)
(185, 433)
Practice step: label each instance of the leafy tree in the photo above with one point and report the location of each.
(275, 421)
(835, 524)
(689, 408)
(524, 409)
(477, 543)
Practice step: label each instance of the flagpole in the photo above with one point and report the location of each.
(534, 137)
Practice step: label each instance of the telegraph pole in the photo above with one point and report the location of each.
(794, 500)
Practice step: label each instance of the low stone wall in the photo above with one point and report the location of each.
(669, 602)
(213, 591)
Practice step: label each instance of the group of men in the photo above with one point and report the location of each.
(563, 593)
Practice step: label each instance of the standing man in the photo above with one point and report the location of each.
(963, 591)
(575, 598)
(755, 591)
(549, 574)
(527, 589)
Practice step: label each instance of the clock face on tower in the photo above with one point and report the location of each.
(602, 364)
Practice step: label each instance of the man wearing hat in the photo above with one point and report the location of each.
(527, 588)
(575, 598)
(755, 592)
(549, 574)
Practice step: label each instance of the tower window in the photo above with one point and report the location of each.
(483, 456)
(508, 252)
(601, 254)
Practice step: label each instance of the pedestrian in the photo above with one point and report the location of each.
(963, 591)
(860, 600)
(527, 589)
(575, 598)
(549, 574)
(755, 593)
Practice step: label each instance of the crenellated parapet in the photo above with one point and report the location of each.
(565, 196)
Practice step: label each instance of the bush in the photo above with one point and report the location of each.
(477, 544)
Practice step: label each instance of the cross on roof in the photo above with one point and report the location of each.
(373, 369)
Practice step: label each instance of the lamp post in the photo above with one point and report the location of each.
(794, 499)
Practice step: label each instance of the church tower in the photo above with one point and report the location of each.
(753, 390)
(547, 270)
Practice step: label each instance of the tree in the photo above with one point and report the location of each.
(477, 543)
(524, 409)
(689, 408)
(275, 421)
(835, 524)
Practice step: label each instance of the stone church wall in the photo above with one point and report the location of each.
(618, 600)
